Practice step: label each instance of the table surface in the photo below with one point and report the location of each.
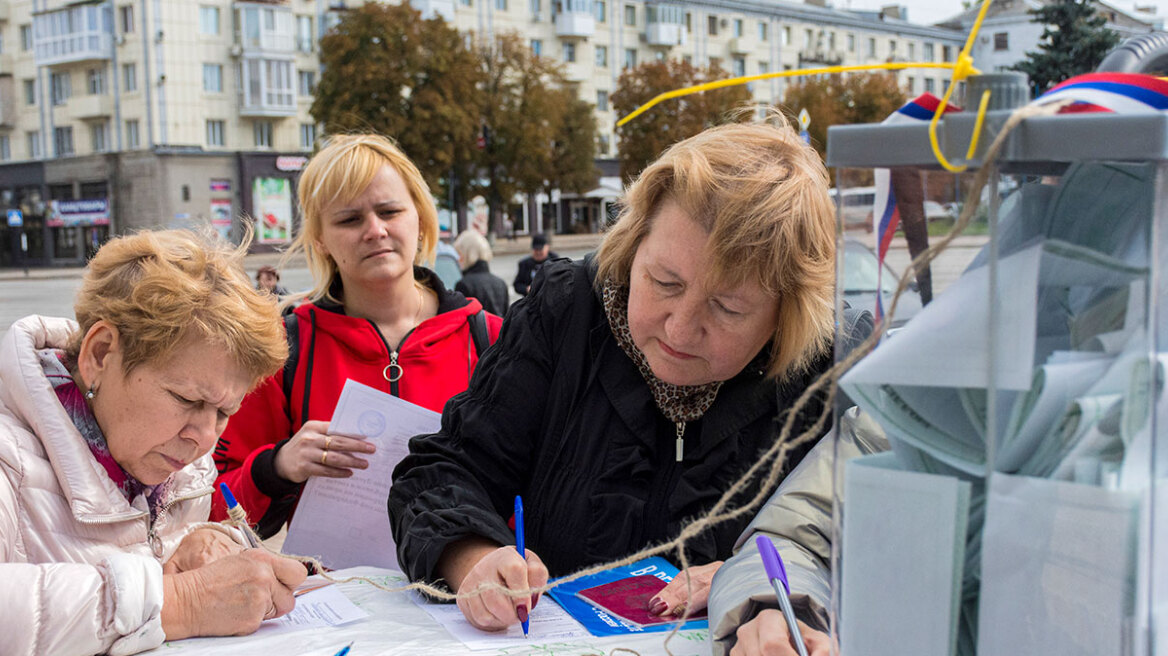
(397, 626)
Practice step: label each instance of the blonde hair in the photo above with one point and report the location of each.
(159, 288)
(473, 247)
(761, 194)
(339, 173)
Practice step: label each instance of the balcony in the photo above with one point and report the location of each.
(577, 72)
(743, 45)
(266, 88)
(264, 29)
(820, 56)
(575, 19)
(75, 34)
(7, 63)
(81, 108)
(435, 8)
(665, 35)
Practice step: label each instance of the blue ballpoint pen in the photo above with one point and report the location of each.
(234, 511)
(777, 575)
(344, 650)
(519, 544)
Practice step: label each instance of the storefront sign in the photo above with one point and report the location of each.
(221, 216)
(71, 213)
(290, 162)
(271, 200)
(15, 219)
(220, 185)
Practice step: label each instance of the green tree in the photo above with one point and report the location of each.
(1074, 41)
(387, 70)
(843, 100)
(648, 135)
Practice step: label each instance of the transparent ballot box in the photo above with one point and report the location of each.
(1018, 505)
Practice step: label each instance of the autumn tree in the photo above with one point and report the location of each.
(1073, 42)
(386, 70)
(843, 100)
(648, 135)
(532, 120)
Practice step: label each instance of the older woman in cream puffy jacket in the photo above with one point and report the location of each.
(105, 472)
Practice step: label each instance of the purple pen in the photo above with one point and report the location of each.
(777, 574)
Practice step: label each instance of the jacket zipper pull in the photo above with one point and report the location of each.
(153, 539)
(680, 440)
(393, 370)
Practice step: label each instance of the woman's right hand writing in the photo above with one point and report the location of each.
(492, 610)
(229, 596)
(313, 452)
(767, 635)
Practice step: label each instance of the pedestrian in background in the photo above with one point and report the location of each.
(268, 279)
(541, 252)
(477, 281)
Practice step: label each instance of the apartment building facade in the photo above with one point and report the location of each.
(117, 115)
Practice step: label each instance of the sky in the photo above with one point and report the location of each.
(927, 12)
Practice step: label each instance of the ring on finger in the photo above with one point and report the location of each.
(271, 613)
(323, 456)
(327, 440)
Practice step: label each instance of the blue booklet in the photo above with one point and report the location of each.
(602, 623)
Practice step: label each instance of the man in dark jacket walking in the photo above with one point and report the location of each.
(541, 252)
(477, 280)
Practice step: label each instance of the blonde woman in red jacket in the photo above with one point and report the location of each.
(374, 315)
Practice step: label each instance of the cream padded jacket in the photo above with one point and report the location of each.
(78, 572)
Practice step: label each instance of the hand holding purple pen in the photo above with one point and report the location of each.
(777, 575)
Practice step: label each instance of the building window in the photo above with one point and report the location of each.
(213, 78)
(602, 144)
(214, 133)
(851, 43)
(630, 58)
(786, 38)
(602, 101)
(892, 46)
(5, 148)
(764, 68)
(501, 5)
(1001, 41)
(307, 135)
(831, 41)
(871, 47)
(34, 144)
(630, 15)
(26, 37)
(95, 81)
(602, 56)
(63, 141)
(130, 77)
(307, 81)
(929, 88)
(30, 92)
(739, 66)
(537, 47)
(946, 53)
(570, 52)
(61, 86)
(535, 8)
(912, 51)
(304, 38)
(712, 25)
(688, 59)
(126, 18)
(808, 39)
(714, 62)
(659, 55)
(762, 31)
(737, 28)
(465, 3)
(928, 52)
(99, 136)
(601, 9)
(262, 131)
(132, 140)
(208, 20)
(689, 22)
(912, 86)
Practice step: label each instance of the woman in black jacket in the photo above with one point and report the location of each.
(626, 393)
(477, 280)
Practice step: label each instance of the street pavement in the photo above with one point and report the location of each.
(51, 291)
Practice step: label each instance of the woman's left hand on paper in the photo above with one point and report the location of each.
(200, 547)
(679, 597)
(492, 610)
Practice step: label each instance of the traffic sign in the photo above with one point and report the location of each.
(15, 219)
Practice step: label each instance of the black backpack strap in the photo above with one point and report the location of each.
(478, 332)
(292, 332)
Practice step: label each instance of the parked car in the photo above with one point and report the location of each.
(856, 207)
(859, 284)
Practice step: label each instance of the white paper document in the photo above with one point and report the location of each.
(547, 623)
(321, 608)
(344, 521)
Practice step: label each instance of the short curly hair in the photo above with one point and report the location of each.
(761, 194)
(159, 288)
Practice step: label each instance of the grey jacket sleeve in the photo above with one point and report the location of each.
(798, 518)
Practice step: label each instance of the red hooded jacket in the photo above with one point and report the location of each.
(436, 358)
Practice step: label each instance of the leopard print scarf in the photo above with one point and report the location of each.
(679, 403)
